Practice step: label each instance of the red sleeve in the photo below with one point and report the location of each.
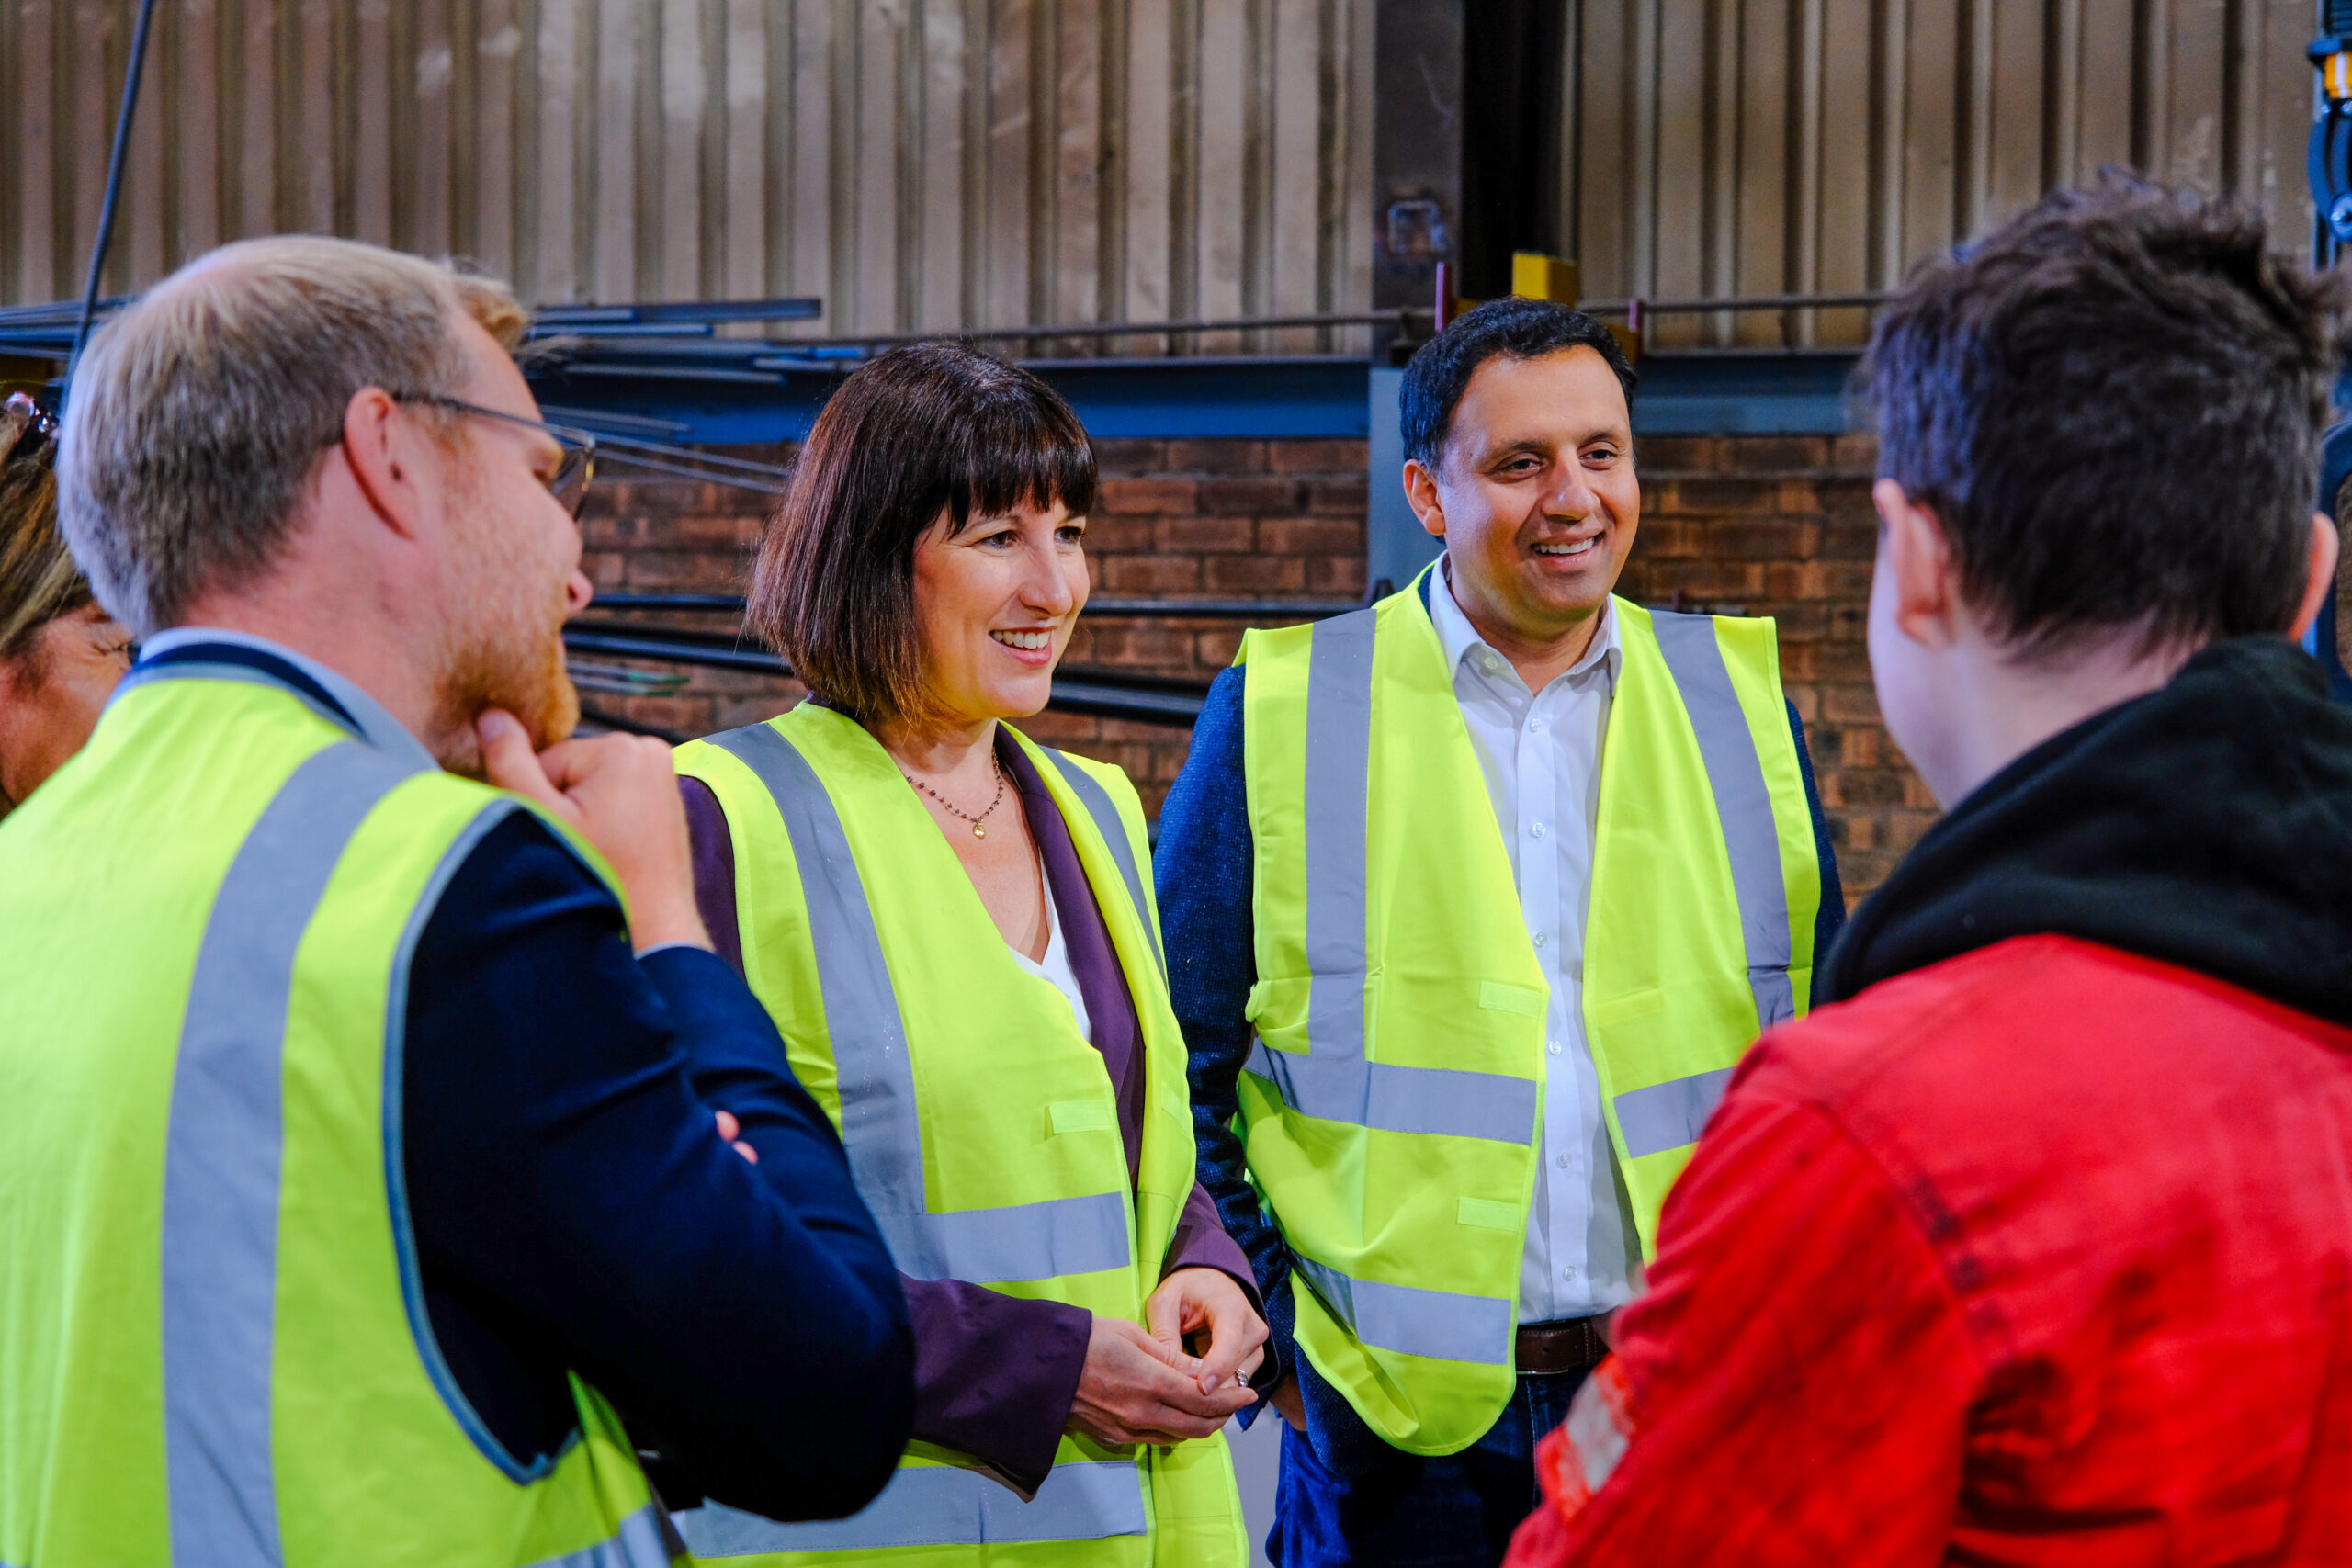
(1796, 1385)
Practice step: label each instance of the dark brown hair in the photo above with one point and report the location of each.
(2113, 405)
(38, 580)
(929, 428)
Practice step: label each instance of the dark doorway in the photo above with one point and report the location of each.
(1512, 53)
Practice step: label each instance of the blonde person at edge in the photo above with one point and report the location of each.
(361, 1147)
(954, 930)
(1477, 893)
(61, 655)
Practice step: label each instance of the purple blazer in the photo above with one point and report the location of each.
(994, 1375)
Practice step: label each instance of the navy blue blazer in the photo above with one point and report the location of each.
(567, 1205)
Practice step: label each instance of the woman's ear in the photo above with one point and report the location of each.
(2320, 582)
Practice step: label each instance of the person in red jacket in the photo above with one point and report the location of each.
(2035, 1246)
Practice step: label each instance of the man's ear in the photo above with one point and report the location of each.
(1916, 557)
(1420, 494)
(380, 449)
(2322, 579)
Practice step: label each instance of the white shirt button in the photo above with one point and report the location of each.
(1555, 1047)
(1540, 939)
(1536, 831)
(1535, 726)
(1493, 662)
(1568, 1273)
(1564, 1162)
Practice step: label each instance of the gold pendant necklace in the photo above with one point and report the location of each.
(948, 807)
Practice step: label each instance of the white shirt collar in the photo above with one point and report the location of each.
(376, 726)
(1461, 639)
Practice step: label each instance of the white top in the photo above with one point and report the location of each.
(1541, 753)
(1054, 968)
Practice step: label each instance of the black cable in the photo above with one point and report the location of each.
(114, 189)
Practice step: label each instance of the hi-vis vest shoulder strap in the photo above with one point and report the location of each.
(1028, 1241)
(231, 1361)
(1393, 1095)
(960, 1083)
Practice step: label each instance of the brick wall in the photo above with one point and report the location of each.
(1765, 525)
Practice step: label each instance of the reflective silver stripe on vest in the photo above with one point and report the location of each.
(1669, 1115)
(881, 1131)
(1445, 1101)
(1332, 1080)
(222, 1158)
(1415, 1322)
(942, 1505)
(1743, 805)
(637, 1544)
(1097, 801)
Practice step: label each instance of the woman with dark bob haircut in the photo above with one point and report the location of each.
(955, 930)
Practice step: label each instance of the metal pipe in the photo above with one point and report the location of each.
(1277, 610)
(1103, 694)
(114, 160)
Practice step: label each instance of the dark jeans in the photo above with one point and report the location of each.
(1376, 1505)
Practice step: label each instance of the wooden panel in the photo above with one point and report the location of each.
(1291, 210)
(497, 52)
(1752, 240)
(371, 144)
(678, 158)
(745, 206)
(1223, 93)
(1674, 202)
(612, 186)
(1146, 209)
(194, 102)
(1006, 222)
(30, 174)
(556, 235)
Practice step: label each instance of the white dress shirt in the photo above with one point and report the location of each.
(1054, 967)
(1541, 753)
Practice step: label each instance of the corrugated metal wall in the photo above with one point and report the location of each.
(1794, 146)
(935, 163)
(918, 164)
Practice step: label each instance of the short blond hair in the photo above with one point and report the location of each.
(200, 414)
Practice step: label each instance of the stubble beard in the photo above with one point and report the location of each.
(503, 646)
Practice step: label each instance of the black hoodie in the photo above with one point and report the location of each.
(2207, 825)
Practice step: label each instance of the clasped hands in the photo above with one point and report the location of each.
(1145, 1387)
(620, 794)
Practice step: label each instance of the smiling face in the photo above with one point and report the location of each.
(994, 606)
(1534, 494)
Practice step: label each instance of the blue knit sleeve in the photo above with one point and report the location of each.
(1203, 867)
(1831, 918)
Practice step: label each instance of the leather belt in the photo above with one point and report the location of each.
(1571, 1345)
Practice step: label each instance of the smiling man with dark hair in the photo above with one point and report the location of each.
(1458, 993)
(2034, 1248)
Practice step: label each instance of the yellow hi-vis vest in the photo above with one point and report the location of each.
(979, 1124)
(213, 1346)
(1390, 1105)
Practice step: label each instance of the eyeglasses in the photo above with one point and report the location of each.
(569, 483)
(40, 425)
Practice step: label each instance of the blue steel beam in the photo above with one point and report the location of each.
(1198, 399)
